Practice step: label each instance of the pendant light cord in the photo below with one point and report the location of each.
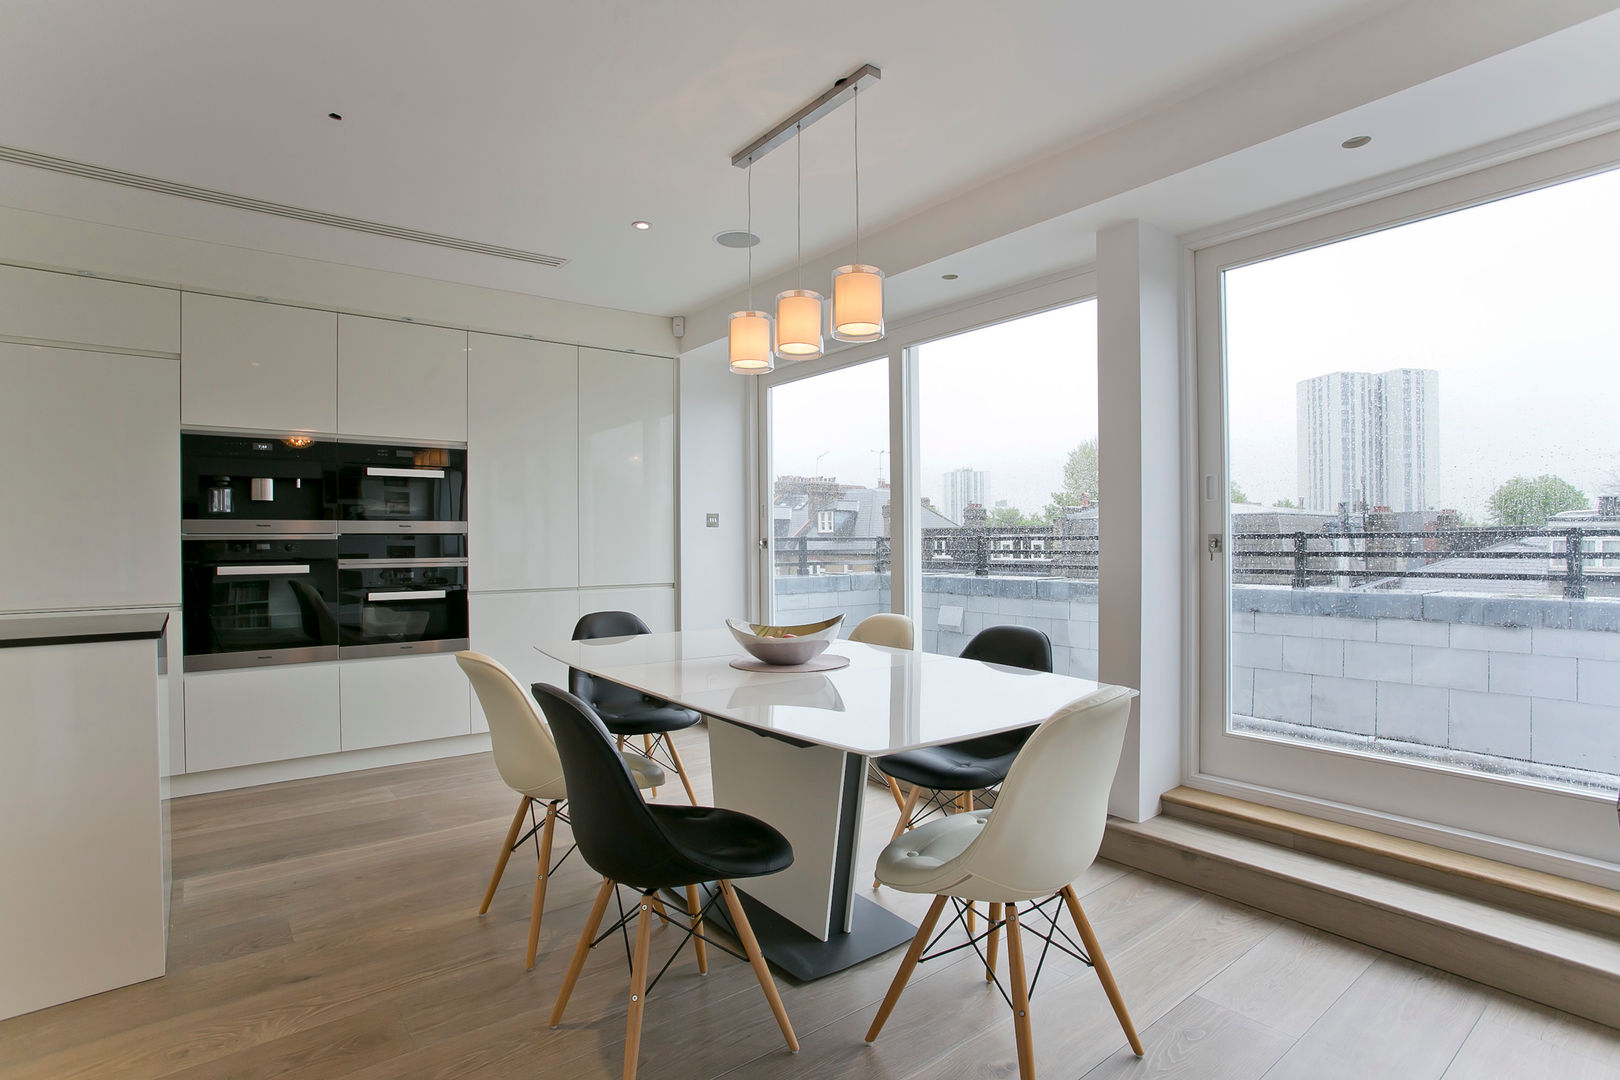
(750, 228)
(800, 223)
(855, 104)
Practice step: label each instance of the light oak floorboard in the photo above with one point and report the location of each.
(328, 928)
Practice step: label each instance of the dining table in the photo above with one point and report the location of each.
(791, 747)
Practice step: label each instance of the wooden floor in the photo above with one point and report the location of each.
(327, 928)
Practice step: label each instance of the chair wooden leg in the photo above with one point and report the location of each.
(964, 804)
(1106, 976)
(745, 934)
(995, 940)
(1020, 996)
(542, 875)
(894, 789)
(680, 769)
(638, 989)
(906, 810)
(694, 909)
(592, 921)
(913, 954)
(506, 852)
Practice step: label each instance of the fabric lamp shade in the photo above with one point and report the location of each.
(750, 341)
(798, 324)
(857, 303)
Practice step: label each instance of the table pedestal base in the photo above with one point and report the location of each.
(874, 930)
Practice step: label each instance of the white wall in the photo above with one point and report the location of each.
(715, 452)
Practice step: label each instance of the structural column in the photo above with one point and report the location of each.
(1140, 438)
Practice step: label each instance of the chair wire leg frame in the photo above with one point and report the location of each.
(670, 757)
(1007, 916)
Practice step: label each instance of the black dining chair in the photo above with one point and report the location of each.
(627, 712)
(651, 846)
(950, 774)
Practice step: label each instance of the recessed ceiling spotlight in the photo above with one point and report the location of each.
(736, 238)
(1357, 142)
(947, 277)
(334, 116)
(642, 225)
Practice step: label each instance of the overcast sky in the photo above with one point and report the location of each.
(1011, 399)
(1515, 303)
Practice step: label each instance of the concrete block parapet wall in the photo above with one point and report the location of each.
(1528, 679)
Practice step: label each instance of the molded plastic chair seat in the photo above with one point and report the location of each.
(913, 860)
(649, 717)
(648, 773)
(720, 844)
(960, 766)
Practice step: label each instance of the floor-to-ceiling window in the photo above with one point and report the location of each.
(1409, 446)
(1007, 471)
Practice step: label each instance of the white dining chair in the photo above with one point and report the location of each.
(1043, 833)
(526, 757)
(893, 631)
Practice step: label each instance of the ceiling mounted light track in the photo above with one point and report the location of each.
(857, 288)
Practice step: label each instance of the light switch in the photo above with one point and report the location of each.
(712, 520)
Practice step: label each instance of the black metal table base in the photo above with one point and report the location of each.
(873, 931)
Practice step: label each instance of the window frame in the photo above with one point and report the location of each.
(1503, 818)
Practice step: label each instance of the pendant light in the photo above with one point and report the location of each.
(857, 306)
(798, 311)
(750, 336)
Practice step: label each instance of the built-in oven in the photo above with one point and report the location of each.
(398, 606)
(252, 600)
(394, 489)
(260, 485)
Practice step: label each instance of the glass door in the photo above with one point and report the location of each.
(827, 525)
(1410, 468)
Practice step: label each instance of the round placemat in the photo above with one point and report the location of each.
(824, 662)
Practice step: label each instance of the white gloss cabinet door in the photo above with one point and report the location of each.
(250, 715)
(654, 603)
(91, 446)
(409, 699)
(401, 381)
(627, 464)
(523, 460)
(251, 366)
(508, 626)
(75, 310)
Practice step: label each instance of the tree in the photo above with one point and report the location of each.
(1080, 482)
(1237, 493)
(1522, 501)
(1009, 517)
(1286, 504)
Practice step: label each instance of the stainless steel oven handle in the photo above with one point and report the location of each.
(409, 474)
(405, 594)
(259, 571)
(396, 564)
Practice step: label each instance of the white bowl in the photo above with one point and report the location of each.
(768, 643)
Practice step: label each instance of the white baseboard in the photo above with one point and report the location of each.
(274, 772)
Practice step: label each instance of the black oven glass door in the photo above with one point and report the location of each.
(389, 607)
(254, 602)
(402, 546)
(393, 486)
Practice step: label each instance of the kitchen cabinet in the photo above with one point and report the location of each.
(244, 716)
(405, 699)
(249, 366)
(401, 381)
(92, 488)
(627, 467)
(508, 625)
(523, 463)
(654, 603)
(73, 310)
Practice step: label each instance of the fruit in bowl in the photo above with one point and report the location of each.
(785, 645)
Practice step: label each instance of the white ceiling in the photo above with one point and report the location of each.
(551, 127)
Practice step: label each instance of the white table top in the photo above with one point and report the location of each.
(885, 700)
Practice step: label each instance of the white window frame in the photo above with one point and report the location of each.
(899, 347)
(1563, 832)
(826, 522)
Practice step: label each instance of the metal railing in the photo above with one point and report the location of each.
(1019, 552)
(1308, 559)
